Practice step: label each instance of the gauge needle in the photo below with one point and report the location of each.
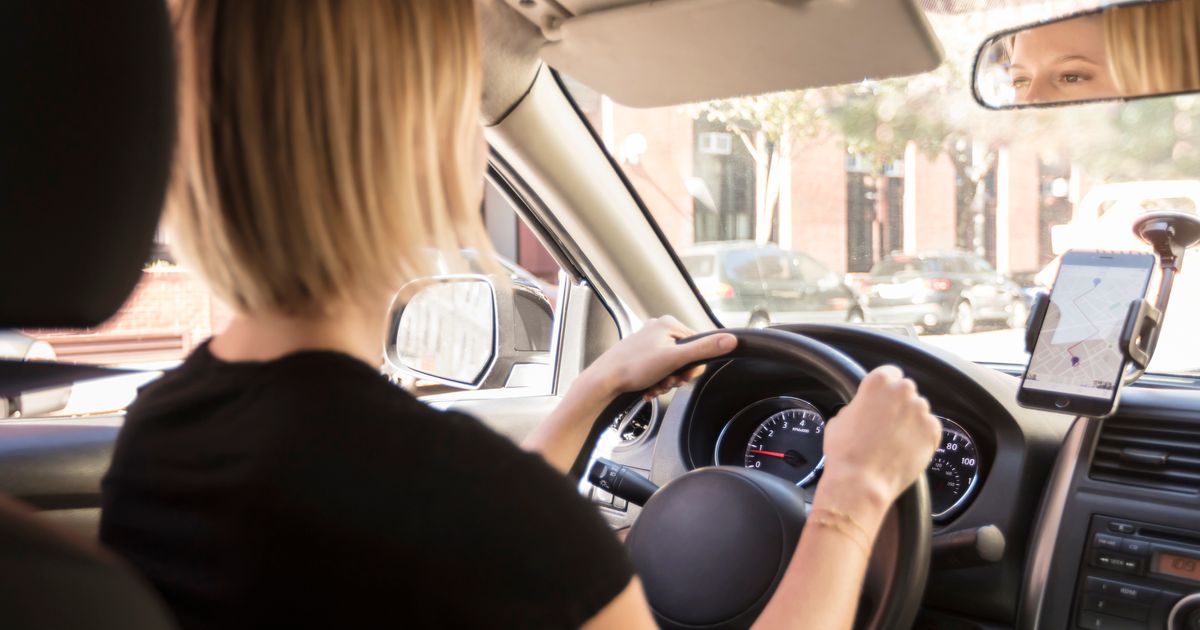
(770, 453)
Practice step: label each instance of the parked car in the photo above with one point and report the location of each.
(948, 291)
(17, 346)
(748, 284)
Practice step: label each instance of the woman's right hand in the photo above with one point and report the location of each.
(876, 446)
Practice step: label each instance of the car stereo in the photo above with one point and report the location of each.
(1138, 576)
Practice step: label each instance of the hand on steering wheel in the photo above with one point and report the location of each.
(652, 360)
(711, 545)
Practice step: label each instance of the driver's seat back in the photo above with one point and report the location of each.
(88, 117)
(49, 578)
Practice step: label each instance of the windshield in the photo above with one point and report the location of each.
(934, 217)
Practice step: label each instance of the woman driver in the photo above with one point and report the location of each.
(276, 479)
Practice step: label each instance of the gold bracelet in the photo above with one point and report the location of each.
(847, 519)
(845, 525)
(837, 527)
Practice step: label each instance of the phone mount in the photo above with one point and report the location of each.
(1170, 234)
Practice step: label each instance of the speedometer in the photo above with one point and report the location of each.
(954, 471)
(788, 444)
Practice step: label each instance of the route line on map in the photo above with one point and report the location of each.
(1096, 329)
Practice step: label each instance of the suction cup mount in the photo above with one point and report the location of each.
(1170, 234)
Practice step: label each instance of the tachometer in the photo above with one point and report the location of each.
(954, 471)
(781, 435)
(788, 443)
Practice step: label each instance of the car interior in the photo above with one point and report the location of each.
(1041, 519)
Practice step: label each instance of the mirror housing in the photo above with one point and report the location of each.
(471, 331)
(1111, 53)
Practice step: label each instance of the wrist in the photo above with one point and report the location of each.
(865, 499)
(593, 384)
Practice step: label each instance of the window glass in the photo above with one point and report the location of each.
(742, 266)
(896, 266)
(884, 177)
(170, 312)
(774, 266)
(810, 270)
(979, 265)
(698, 266)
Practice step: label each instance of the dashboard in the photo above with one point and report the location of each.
(783, 436)
(990, 469)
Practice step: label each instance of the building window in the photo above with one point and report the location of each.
(722, 187)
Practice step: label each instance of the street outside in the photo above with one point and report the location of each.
(113, 394)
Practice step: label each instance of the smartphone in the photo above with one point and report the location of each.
(1077, 362)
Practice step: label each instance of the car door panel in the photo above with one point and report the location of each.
(56, 466)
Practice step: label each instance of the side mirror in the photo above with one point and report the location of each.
(471, 332)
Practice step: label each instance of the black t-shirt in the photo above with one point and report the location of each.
(310, 491)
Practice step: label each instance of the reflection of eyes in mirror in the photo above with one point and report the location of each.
(448, 330)
(1122, 51)
(1065, 61)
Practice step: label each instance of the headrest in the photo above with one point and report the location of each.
(87, 117)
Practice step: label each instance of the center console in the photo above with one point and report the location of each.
(1138, 576)
(1117, 541)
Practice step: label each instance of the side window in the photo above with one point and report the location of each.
(811, 271)
(742, 266)
(774, 267)
(979, 265)
(171, 312)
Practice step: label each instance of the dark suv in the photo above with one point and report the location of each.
(941, 292)
(747, 284)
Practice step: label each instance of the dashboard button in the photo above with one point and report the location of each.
(1134, 546)
(620, 504)
(1117, 563)
(1113, 588)
(602, 497)
(1088, 619)
(1108, 542)
(1121, 528)
(1116, 606)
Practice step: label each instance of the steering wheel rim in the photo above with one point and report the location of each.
(904, 584)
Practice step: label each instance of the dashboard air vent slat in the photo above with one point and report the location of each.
(1158, 454)
(634, 422)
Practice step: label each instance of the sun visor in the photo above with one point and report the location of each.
(89, 118)
(670, 52)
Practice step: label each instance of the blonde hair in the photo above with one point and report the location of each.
(1154, 48)
(325, 146)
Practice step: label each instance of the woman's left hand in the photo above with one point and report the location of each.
(651, 358)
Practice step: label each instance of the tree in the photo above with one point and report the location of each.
(770, 126)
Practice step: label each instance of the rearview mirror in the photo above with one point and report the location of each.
(1124, 51)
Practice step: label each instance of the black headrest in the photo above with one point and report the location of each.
(87, 127)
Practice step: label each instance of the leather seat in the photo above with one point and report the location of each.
(88, 119)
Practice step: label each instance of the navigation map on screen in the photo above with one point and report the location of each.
(1078, 349)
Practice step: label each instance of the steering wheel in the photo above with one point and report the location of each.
(711, 545)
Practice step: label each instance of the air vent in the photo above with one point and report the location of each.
(633, 423)
(1153, 453)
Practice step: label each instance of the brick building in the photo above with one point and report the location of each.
(699, 183)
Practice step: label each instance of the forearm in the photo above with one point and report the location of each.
(561, 435)
(821, 586)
